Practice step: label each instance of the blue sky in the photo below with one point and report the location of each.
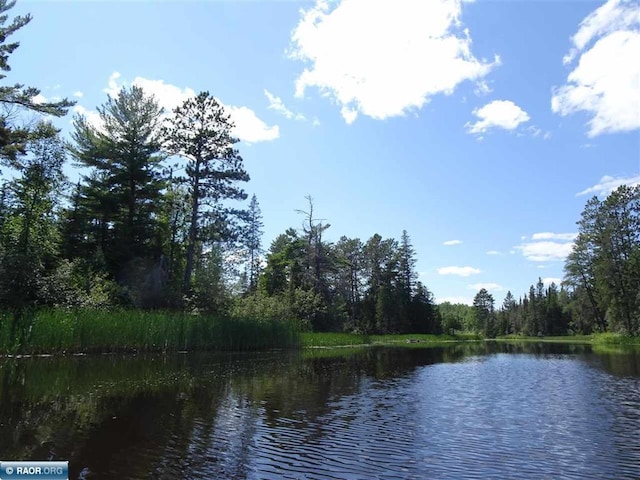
(481, 128)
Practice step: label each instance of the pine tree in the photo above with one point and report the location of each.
(252, 241)
(200, 132)
(18, 98)
(126, 182)
(483, 305)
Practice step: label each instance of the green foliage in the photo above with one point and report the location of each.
(20, 99)
(88, 330)
(29, 239)
(118, 203)
(252, 241)
(485, 319)
(200, 133)
(603, 269)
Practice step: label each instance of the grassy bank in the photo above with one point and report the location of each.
(352, 339)
(73, 331)
(605, 339)
(551, 339)
(595, 339)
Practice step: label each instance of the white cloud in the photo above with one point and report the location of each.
(482, 88)
(487, 286)
(549, 280)
(452, 242)
(545, 251)
(78, 94)
(455, 299)
(493, 252)
(554, 236)
(248, 126)
(460, 271)
(380, 58)
(112, 88)
(92, 116)
(167, 95)
(608, 184)
(498, 114)
(38, 99)
(276, 104)
(606, 81)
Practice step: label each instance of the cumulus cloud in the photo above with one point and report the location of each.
(549, 280)
(459, 271)
(608, 184)
(605, 83)
(497, 114)
(547, 246)
(38, 99)
(78, 94)
(276, 104)
(380, 58)
(452, 242)
(167, 95)
(248, 126)
(493, 252)
(487, 286)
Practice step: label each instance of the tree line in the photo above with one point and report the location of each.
(600, 291)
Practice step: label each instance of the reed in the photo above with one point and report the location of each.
(614, 339)
(71, 331)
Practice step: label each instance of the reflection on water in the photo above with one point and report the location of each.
(485, 410)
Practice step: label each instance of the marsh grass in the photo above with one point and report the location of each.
(601, 339)
(72, 331)
(330, 340)
(614, 339)
(582, 339)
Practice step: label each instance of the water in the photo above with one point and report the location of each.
(467, 411)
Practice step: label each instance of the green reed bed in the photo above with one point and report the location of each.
(330, 339)
(550, 339)
(352, 339)
(594, 339)
(614, 339)
(60, 330)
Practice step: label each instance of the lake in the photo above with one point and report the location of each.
(476, 410)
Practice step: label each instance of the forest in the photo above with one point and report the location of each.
(161, 220)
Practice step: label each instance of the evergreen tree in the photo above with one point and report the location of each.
(29, 234)
(252, 241)
(603, 269)
(123, 191)
(407, 283)
(18, 98)
(200, 132)
(483, 305)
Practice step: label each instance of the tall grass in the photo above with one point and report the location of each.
(60, 330)
(614, 339)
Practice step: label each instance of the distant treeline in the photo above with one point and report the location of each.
(155, 223)
(601, 289)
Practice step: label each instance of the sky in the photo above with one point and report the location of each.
(481, 127)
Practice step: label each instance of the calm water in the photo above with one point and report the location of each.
(468, 411)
